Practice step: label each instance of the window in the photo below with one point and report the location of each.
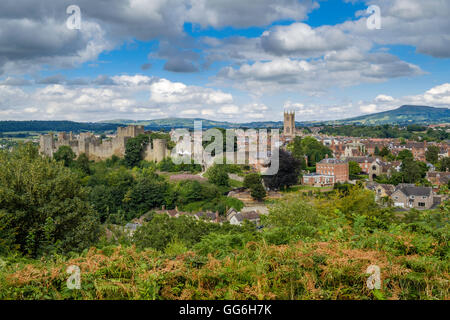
(421, 204)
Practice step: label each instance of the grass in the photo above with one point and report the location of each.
(236, 183)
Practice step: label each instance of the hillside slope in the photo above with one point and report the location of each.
(406, 114)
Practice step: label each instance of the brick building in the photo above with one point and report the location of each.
(364, 162)
(318, 180)
(334, 167)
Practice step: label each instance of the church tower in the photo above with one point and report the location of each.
(289, 123)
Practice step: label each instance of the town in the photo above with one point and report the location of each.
(376, 162)
(226, 155)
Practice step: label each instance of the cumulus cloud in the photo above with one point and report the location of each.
(422, 24)
(229, 109)
(34, 34)
(28, 42)
(340, 69)
(11, 81)
(237, 13)
(55, 79)
(299, 108)
(383, 98)
(167, 92)
(123, 96)
(301, 40)
(437, 96)
(368, 108)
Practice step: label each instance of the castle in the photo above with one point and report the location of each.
(289, 124)
(98, 149)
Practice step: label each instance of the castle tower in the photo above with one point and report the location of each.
(289, 123)
(159, 149)
(47, 144)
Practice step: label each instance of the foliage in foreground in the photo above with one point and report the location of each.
(310, 248)
(299, 271)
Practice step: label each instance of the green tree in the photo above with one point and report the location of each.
(444, 164)
(108, 189)
(218, 175)
(405, 154)
(432, 154)
(147, 192)
(134, 148)
(354, 169)
(257, 191)
(82, 163)
(189, 191)
(288, 172)
(43, 205)
(314, 150)
(163, 230)
(413, 171)
(252, 179)
(385, 152)
(297, 150)
(65, 154)
(376, 151)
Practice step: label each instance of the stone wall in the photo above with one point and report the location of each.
(98, 150)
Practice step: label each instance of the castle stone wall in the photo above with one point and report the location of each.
(98, 150)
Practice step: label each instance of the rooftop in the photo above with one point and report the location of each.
(332, 161)
(412, 190)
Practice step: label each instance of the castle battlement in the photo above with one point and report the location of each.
(96, 149)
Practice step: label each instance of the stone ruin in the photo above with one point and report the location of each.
(97, 149)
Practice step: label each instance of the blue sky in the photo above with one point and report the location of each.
(225, 60)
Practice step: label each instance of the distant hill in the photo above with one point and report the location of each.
(406, 114)
(169, 123)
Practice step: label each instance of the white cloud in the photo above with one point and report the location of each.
(168, 92)
(300, 40)
(384, 98)
(422, 24)
(237, 13)
(125, 97)
(437, 96)
(369, 108)
(135, 80)
(299, 108)
(229, 109)
(336, 69)
(189, 112)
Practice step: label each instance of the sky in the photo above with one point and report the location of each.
(228, 60)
